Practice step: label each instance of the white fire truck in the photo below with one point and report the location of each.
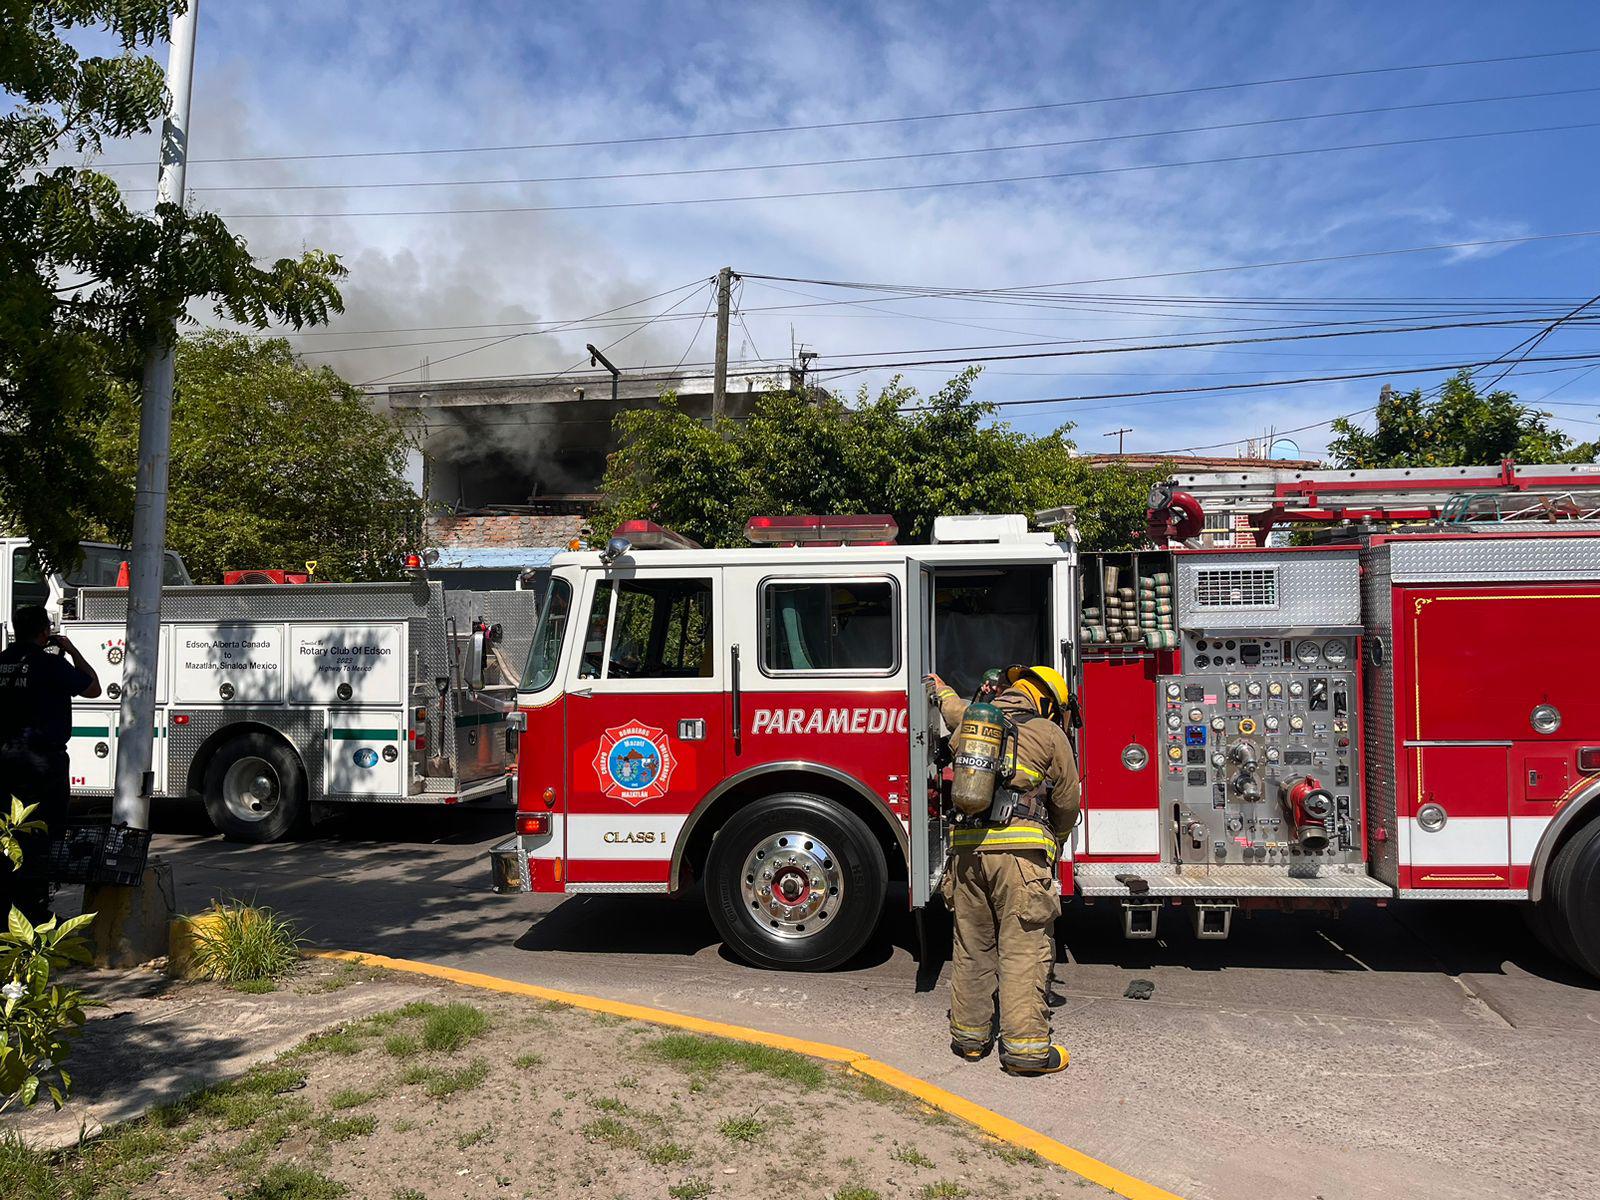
(1403, 708)
(277, 699)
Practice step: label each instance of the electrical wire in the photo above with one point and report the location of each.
(883, 189)
(901, 120)
(877, 158)
(514, 336)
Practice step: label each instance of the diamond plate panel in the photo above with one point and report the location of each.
(302, 727)
(1314, 591)
(1378, 714)
(1331, 882)
(1470, 559)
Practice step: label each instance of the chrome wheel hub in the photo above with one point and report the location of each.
(251, 789)
(792, 884)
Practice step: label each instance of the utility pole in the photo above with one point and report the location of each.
(136, 738)
(719, 386)
(596, 358)
(1117, 433)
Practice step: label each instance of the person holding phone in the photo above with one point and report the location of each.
(40, 674)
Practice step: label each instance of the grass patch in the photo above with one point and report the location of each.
(690, 1189)
(452, 1026)
(911, 1156)
(1016, 1154)
(666, 1154)
(342, 1129)
(856, 1193)
(344, 1041)
(612, 1132)
(440, 1084)
(255, 987)
(527, 1062)
(282, 1181)
(400, 1045)
(944, 1189)
(351, 1098)
(473, 1136)
(609, 1104)
(743, 1129)
(710, 1054)
(241, 942)
(407, 1194)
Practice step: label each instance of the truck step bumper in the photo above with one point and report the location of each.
(508, 867)
(1200, 882)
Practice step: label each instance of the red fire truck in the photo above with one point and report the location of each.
(1399, 708)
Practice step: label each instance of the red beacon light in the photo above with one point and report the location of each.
(647, 535)
(822, 531)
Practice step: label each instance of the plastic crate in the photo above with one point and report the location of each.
(92, 852)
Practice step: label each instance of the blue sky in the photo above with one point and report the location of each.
(299, 78)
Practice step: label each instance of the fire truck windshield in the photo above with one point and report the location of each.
(545, 654)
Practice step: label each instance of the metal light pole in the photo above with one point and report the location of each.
(598, 359)
(136, 737)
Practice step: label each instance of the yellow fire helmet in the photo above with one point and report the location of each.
(1045, 686)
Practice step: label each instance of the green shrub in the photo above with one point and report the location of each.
(245, 943)
(38, 1017)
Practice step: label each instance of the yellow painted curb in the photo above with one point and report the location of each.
(985, 1119)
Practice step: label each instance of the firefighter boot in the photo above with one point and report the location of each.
(1054, 1060)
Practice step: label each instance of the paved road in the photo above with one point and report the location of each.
(1422, 1050)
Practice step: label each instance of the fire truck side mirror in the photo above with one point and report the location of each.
(473, 670)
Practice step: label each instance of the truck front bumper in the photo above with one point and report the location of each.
(508, 866)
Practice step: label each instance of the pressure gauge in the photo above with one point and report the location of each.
(1254, 690)
(1297, 722)
(1297, 689)
(1272, 754)
(1175, 753)
(1335, 652)
(1218, 723)
(1274, 689)
(1174, 720)
(1272, 724)
(1307, 654)
(1174, 691)
(1196, 716)
(1233, 691)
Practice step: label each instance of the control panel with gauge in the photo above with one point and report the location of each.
(1260, 751)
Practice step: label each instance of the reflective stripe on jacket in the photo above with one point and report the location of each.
(1020, 835)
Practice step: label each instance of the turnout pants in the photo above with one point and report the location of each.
(1005, 906)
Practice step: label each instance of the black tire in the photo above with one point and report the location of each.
(1574, 889)
(254, 789)
(809, 914)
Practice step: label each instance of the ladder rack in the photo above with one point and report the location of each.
(1457, 495)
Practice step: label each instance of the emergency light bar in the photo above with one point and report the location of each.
(817, 531)
(647, 535)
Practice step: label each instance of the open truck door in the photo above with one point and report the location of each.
(929, 830)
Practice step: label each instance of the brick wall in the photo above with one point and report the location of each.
(503, 531)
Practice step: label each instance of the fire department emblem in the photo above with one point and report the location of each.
(634, 763)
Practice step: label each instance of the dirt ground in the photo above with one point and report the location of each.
(464, 1093)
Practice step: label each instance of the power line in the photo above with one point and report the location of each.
(934, 292)
(881, 189)
(1171, 394)
(514, 336)
(879, 158)
(899, 120)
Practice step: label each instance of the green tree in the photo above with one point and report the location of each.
(87, 286)
(274, 463)
(1461, 427)
(913, 457)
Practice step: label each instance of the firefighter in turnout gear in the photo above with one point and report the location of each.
(1000, 882)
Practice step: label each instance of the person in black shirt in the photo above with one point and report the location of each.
(40, 673)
